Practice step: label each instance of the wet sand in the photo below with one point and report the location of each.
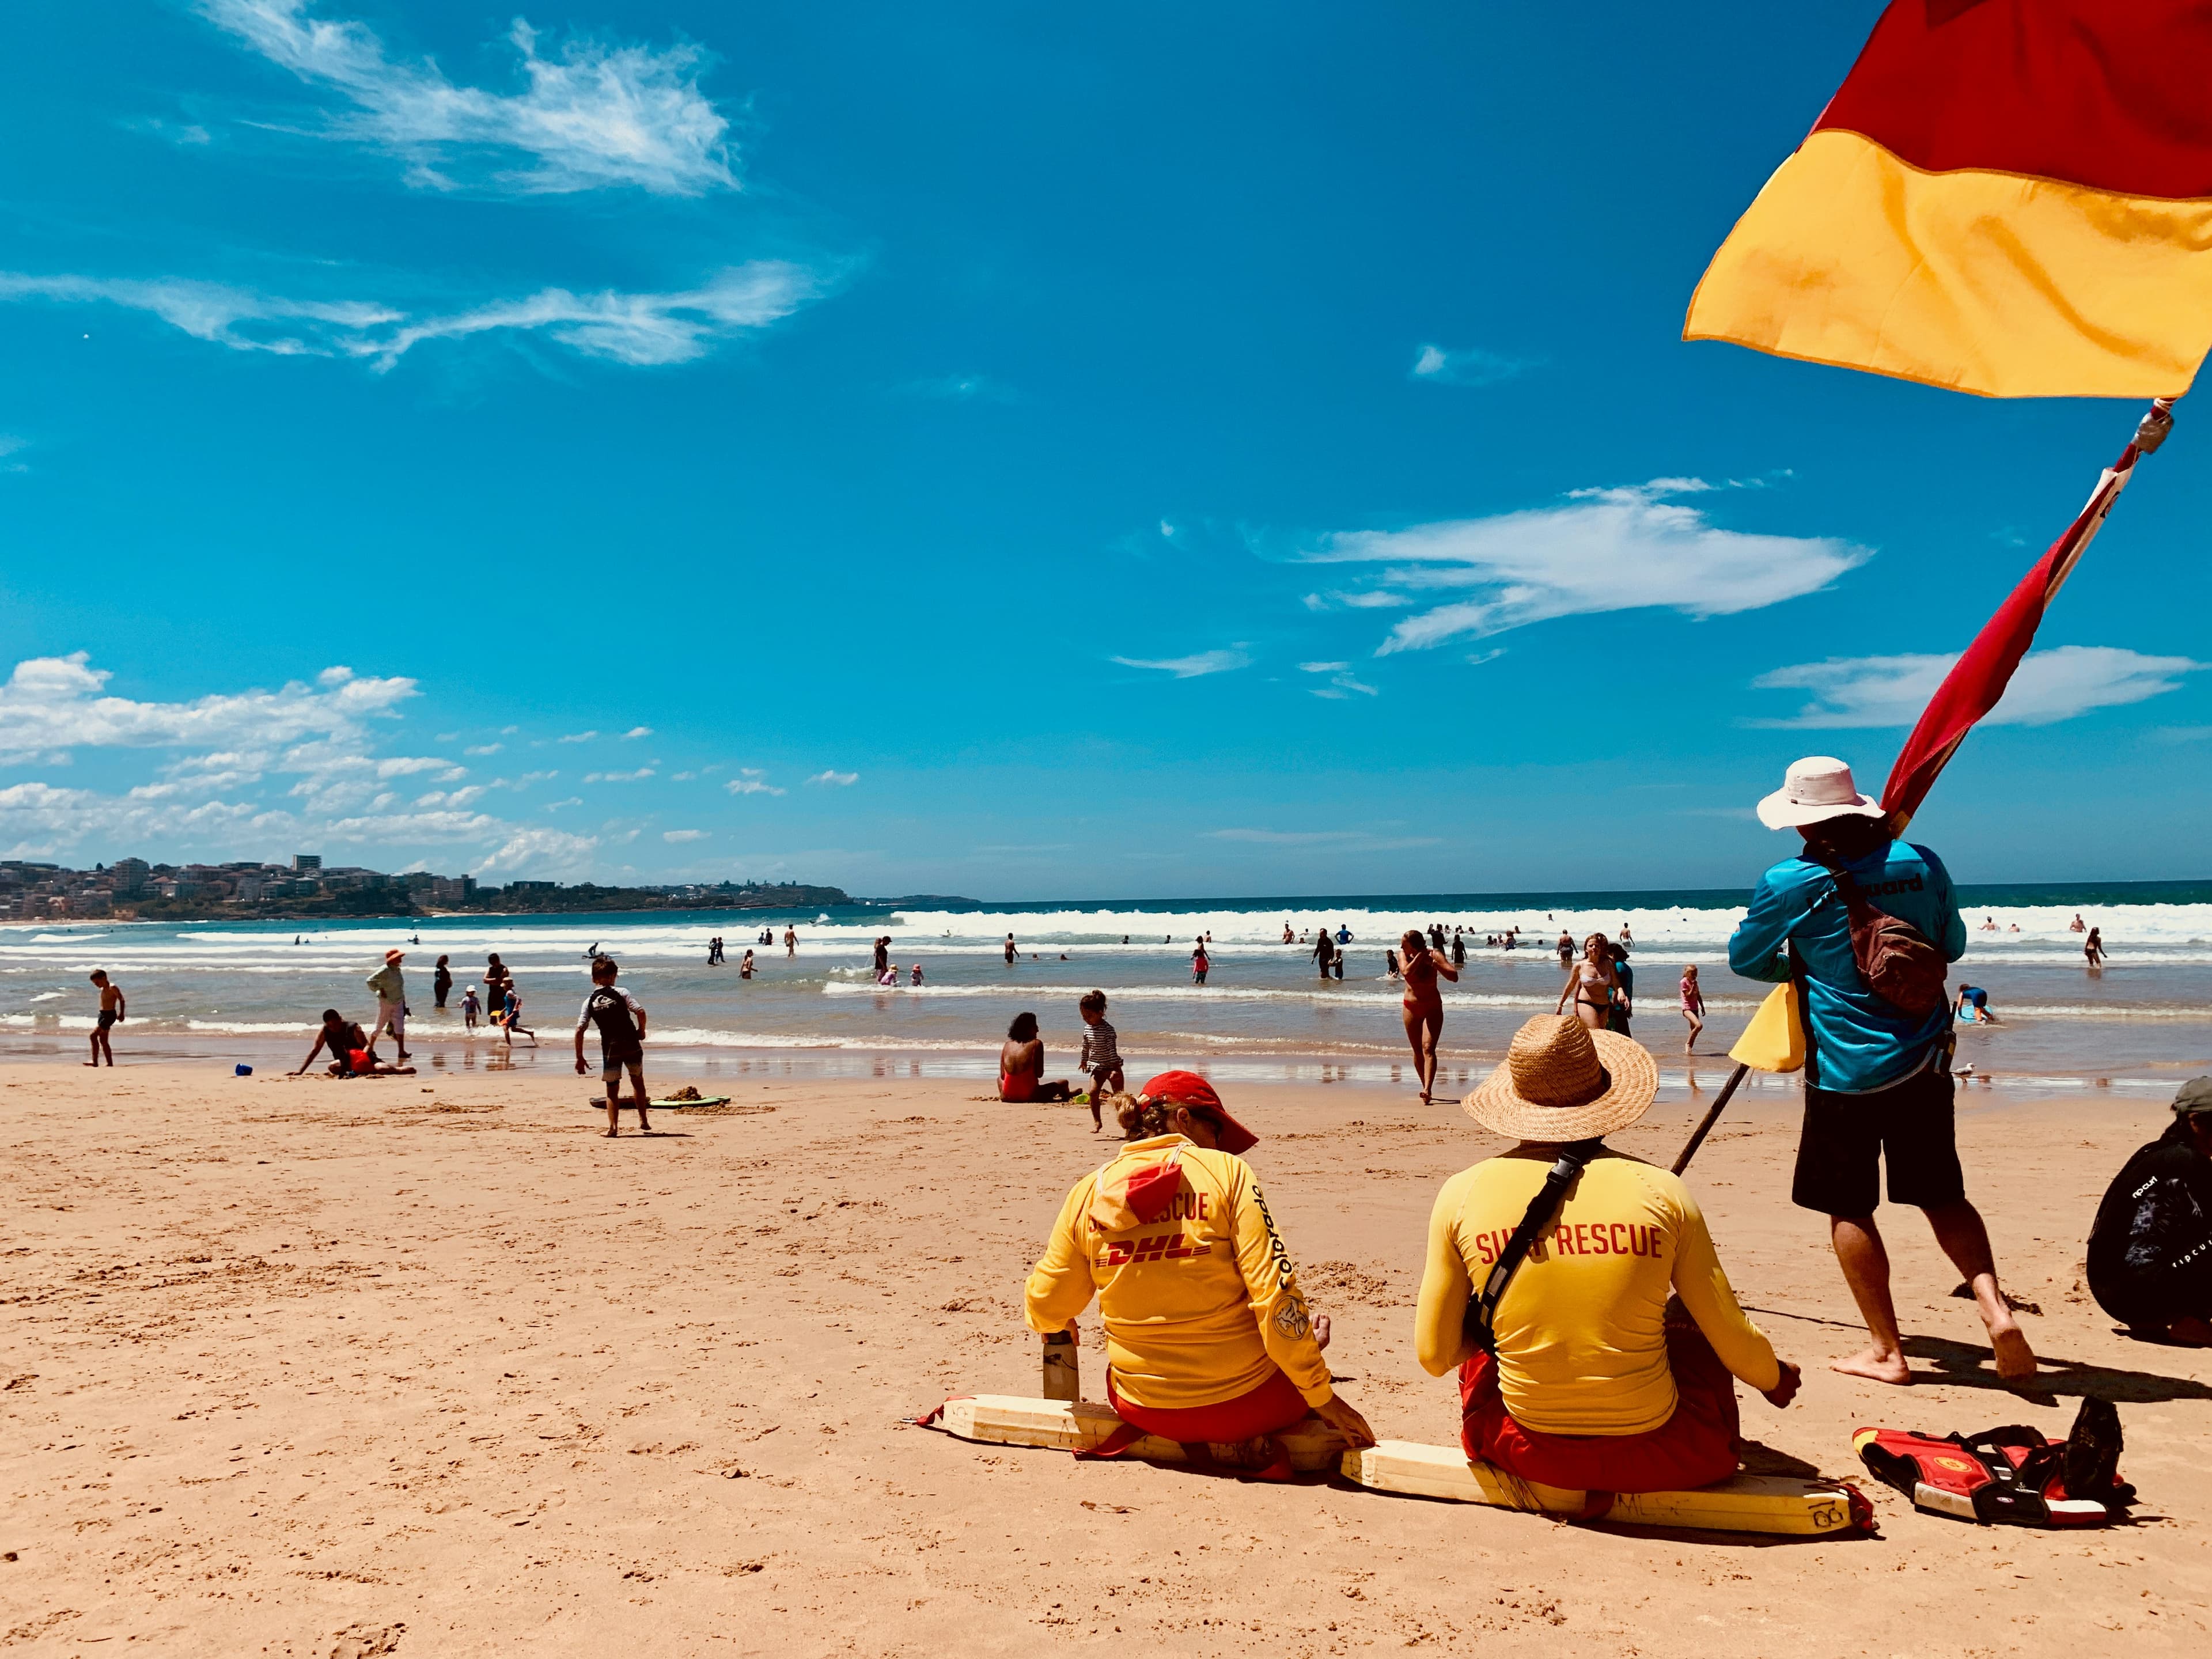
(427, 1366)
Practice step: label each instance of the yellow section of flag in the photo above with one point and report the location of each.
(1977, 281)
(1775, 1039)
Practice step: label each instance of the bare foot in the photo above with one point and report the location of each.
(2016, 1360)
(1320, 1330)
(643, 1127)
(610, 1134)
(1877, 1365)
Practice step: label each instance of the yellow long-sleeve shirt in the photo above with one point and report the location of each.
(1199, 1306)
(1581, 1347)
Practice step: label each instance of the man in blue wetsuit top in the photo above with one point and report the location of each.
(1877, 1078)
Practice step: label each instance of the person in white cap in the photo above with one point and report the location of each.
(1878, 1087)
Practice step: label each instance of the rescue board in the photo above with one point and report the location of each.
(1006, 1420)
(1771, 1504)
(1746, 1503)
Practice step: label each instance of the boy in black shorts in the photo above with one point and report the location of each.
(621, 1020)
(110, 1011)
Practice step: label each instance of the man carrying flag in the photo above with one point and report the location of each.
(1859, 915)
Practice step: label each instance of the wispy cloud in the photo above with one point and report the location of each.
(1193, 666)
(637, 732)
(638, 776)
(836, 780)
(2048, 686)
(750, 780)
(1439, 367)
(1621, 549)
(594, 116)
(485, 748)
(639, 330)
(576, 737)
(675, 837)
(1342, 685)
(961, 388)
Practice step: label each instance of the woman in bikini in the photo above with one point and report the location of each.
(1589, 984)
(1021, 1065)
(1424, 1010)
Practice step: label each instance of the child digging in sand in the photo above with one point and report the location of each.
(621, 1020)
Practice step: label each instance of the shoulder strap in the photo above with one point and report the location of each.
(1481, 1316)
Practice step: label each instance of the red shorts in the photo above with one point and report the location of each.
(1273, 1407)
(1693, 1447)
(361, 1060)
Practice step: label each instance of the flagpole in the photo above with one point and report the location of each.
(1712, 1117)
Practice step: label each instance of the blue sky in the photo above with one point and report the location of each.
(1011, 450)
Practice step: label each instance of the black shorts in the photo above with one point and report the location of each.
(107, 1017)
(1847, 1137)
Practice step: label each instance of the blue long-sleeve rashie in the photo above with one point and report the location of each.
(1860, 1042)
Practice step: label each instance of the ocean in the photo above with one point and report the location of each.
(251, 992)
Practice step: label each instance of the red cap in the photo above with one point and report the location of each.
(1188, 1089)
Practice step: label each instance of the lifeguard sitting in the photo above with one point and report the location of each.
(1601, 1380)
(1208, 1338)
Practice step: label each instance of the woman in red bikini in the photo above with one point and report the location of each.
(1423, 1008)
(1021, 1065)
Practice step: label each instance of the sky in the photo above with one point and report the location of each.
(998, 449)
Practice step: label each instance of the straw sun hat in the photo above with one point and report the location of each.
(1562, 1082)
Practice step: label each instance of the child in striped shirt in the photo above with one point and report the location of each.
(1102, 1055)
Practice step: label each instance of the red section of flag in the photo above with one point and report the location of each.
(1977, 680)
(2109, 94)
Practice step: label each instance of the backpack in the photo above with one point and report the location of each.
(2009, 1475)
(1899, 963)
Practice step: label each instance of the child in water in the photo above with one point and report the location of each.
(1693, 1006)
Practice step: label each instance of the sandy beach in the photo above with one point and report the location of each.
(427, 1366)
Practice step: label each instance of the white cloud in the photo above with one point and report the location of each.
(1469, 367)
(2047, 687)
(836, 780)
(1476, 659)
(485, 748)
(750, 780)
(541, 852)
(639, 776)
(60, 703)
(596, 116)
(637, 732)
(578, 737)
(1323, 667)
(638, 330)
(1341, 686)
(675, 835)
(962, 388)
(1197, 664)
(1608, 550)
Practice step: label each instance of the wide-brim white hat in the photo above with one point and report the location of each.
(1813, 790)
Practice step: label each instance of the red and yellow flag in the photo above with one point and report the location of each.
(2012, 198)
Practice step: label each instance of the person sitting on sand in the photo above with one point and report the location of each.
(1208, 1337)
(1878, 1086)
(1021, 1066)
(348, 1051)
(620, 1019)
(1601, 1379)
(2150, 1248)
